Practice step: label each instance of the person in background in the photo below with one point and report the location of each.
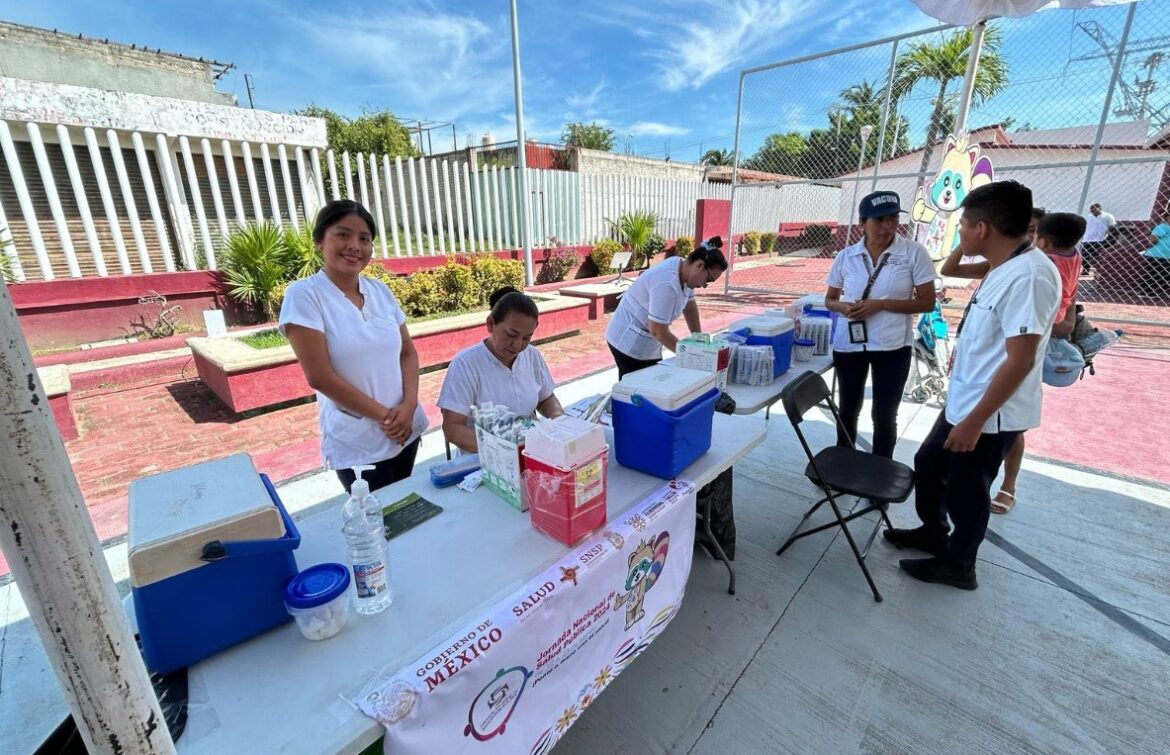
(1156, 282)
(878, 285)
(350, 337)
(640, 326)
(1099, 227)
(994, 390)
(502, 369)
(1057, 236)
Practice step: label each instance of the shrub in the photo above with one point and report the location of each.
(684, 245)
(458, 286)
(636, 228)
(602, 255)
(818, 236)
(379, 272)
(491, 273)
(301, 257)
(655, 245)
(768, 242)
(422, 296)
(751, 242)
(253, 267)
(561, 261)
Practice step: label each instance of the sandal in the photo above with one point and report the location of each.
(1003, 502)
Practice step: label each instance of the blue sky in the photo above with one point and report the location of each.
(653, 70)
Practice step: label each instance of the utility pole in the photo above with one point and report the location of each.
(48, 537)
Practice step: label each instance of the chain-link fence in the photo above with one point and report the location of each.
(1074, 104)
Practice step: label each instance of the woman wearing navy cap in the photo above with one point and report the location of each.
(878, 285)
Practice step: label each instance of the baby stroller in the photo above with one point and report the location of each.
(931, 355)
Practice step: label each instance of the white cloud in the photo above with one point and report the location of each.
(432, 64)
(586, 102)
(652, 128)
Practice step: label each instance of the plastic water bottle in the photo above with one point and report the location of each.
(365, 537)
(1099, 340)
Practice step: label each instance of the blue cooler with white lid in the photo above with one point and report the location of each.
(662, 418)
(769, 330)
(210, 554)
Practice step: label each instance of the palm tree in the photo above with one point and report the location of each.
(864, 102)
(942, 63)
(717, 157)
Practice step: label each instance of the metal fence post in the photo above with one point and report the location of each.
(45, 531)
(881, 143)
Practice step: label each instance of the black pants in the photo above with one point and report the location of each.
(958, 485)
(627, 364)
(1090, 251)
(1156, 281)
(890, 370)
(385, 472)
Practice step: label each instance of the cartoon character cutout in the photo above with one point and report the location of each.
(936, 206)
(645, 564)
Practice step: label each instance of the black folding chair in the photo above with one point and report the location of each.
(843, 471)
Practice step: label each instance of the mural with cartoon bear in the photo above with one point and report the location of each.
(936, 205)
(645, 564)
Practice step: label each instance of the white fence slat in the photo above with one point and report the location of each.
(390, 204)
(216, 189)
(479, 219)
(176, 203)
(229, 164)
(405, 209)
(363, 187)
(318, 179)
(437, 191)
(501, 243)
(152, 201)
(253, 185)
(331, 165)
(91, 237)
(467, 202)
(348, 169)
(107, 197)
(457, 199)
(418, 234)
(25, 201)
(8, 248)
(379, 218)
(197, 199)
(423, 190)
(286, 179)
(450, 211)
(273, 200)
(46, 171)
(128, 200)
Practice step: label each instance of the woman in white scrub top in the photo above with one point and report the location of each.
(640, 326)
(350, 337)
(503, 369)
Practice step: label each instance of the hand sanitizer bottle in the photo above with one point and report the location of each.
(365, 537)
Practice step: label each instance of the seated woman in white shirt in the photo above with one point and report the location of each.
(350, 337)
(640, 326)
(878, 284)
(502, 369)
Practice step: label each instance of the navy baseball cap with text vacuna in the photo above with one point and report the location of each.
(879, 205)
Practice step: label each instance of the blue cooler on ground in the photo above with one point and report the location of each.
(662, 418)
(769, 330)
(210, 551)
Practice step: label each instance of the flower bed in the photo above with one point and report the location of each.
(247, 378)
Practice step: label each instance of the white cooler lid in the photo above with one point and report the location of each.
(665, 386)
(763, 325)
(174, 514)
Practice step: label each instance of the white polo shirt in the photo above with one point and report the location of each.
(476, 375)
(656, 296)
(1097, 227)
(908, 266)
(1020, 297)
(364, 349)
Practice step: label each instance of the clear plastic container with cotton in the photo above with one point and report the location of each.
(365, 538)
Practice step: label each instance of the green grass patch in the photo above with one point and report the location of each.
(447, 313)
(265, 339)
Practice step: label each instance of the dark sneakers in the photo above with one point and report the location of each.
(940, 571)
(919, 539)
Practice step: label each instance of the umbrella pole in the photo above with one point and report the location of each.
(50, 543)
(969, 79)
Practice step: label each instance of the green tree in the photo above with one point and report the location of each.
(942, 64)
(781, 153)
(718, 157)
(379, 132)
(588, 136)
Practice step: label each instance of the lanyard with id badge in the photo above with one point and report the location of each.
(858, 332)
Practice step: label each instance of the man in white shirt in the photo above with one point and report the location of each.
(1099, 226)
(994, 391)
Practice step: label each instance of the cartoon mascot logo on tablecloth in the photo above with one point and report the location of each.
(936, 206)
(646, 564)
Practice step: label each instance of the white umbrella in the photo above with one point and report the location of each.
(975, 13)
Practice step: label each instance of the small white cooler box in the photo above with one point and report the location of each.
(210, 551)
(769, 330)
(662, 418)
